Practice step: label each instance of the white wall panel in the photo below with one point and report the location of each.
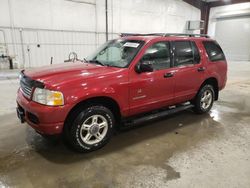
(73, 16)
(33, 13)
(4, 12)
(152, 16)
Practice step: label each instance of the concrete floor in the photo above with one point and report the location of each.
(183, 150)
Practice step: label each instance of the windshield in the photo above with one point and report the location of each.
(116, 53)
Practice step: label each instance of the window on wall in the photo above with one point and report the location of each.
(214, 51)
(158, 55)
(186, 53)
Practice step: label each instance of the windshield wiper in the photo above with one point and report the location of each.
(85, 60)
(96, 62)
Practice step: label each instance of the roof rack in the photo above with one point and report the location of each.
(186, 35)
(164, 34)
(141, 34)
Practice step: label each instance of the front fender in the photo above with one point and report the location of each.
(119, 95)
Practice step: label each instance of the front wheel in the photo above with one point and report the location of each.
(203, 101)
(91, 129)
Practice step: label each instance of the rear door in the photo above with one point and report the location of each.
(189, 70)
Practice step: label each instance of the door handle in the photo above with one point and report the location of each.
(201, 69)
(168, 75)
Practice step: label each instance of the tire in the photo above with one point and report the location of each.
(204, 100)
(90, 129)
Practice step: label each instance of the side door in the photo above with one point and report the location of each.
(152, 90)
(189, 70)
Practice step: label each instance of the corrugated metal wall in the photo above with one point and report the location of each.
(35, 47)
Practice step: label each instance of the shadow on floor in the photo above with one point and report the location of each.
(55, 151)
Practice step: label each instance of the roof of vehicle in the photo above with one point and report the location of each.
(172, 36)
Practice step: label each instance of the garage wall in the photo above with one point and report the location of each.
(230, 26)
(37, 30)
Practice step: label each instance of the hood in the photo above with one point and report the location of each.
(59, 74)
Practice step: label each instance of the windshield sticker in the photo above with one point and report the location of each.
(131, 44)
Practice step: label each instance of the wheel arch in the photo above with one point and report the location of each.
(108, 102)
(214, 82)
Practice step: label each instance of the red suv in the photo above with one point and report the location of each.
(128, 80)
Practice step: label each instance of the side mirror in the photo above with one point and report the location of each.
(144, 66)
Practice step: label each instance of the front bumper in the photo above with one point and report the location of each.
(44, 119)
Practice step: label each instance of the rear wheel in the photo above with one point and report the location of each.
(204, 99)
(91, 129)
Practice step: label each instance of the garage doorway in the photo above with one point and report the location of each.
(233, 34)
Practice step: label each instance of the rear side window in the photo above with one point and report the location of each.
(159, 55)
(186, 53)
(214, 51)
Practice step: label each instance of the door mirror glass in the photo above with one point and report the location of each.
(144, 66)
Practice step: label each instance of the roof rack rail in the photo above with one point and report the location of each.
(186, 35)
(164, 34)
(141, 34)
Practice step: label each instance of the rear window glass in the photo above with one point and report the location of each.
(186, 53)
(214, 51)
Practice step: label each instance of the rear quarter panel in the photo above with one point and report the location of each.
(217, 69)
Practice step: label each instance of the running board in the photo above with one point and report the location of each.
(156, 115)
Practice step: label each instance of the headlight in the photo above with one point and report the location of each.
(47, 97)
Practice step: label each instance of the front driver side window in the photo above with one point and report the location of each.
(158, 55)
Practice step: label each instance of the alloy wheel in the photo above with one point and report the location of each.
(94, 129)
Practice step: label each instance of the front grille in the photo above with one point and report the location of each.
(26, 89)
(26, 86)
